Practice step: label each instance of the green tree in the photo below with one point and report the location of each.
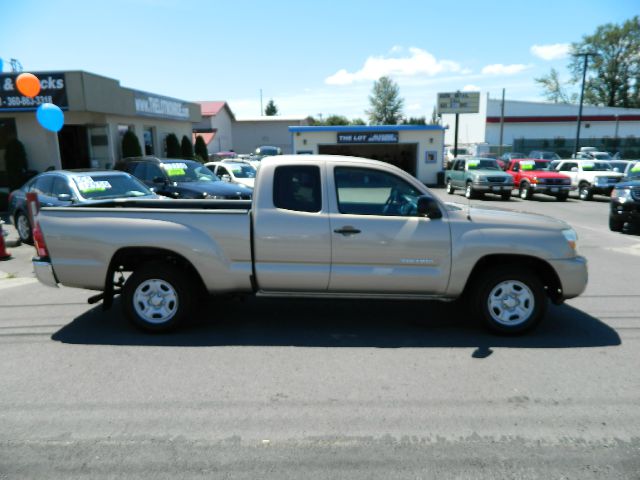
(201, 149)
(613, 74)
(386, 104)
(173, 146)
(186, 148)
(358, 121)
(271, 109)
(336, 120)
(414, 121)
(436, 119)
(16, 160)
(130, 145)
(553, 90)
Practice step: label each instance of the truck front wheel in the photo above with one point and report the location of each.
(510, 301)
(157, 297)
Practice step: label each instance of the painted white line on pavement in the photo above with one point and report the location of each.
(15, 282)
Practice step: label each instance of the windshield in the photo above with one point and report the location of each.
(596, 166)
(601, 156)
(534, 165)
(634, 172)
(549, 156)
(188, 171)
(484, 164)
(243, 171)
(98, 187)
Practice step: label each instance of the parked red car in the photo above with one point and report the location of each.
(533, 176)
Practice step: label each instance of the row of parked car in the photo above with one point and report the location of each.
(138, 177)
(619, 179)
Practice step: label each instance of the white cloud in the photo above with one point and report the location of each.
(414, 107)
(553, 51)
(500, 69)
(420, 62)
(471, 88)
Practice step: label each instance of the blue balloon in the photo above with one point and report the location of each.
(50, 116)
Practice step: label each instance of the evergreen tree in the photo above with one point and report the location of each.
(130, 145)
(173, 146)
(201, 149)
(271, 109)
(186, 148)
(386, 104)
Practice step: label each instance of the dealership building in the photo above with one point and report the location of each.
(97, 113)
(417, 149)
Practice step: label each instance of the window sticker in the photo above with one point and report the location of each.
(473, 164)
(587, 166)
(636, 168)
(527, 165)
(87, 184)
(175, 169)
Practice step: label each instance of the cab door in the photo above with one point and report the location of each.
(292, 243)
(378, 243)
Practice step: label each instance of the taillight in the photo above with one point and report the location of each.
(33, 205)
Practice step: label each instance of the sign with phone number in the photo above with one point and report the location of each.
(52, 90)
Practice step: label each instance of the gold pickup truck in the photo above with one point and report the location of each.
(317, 226)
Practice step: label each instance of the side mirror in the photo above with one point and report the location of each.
(65, 197)
(428, 207)
(574, 169)
(159, 180)
(226, 178)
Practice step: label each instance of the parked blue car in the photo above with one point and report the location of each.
(61, 188)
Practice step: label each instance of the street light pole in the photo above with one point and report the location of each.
(586, 56)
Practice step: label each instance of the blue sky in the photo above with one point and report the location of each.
(309, 57)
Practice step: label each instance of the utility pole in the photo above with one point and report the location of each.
(501, 123)
(586, 56)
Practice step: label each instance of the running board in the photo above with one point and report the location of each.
(354, 296)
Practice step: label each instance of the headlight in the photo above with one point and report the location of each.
(600, 181)
(566, 181)
(481, 178)
(572, 238)
(621, 194)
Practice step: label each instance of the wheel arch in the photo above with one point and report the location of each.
(538, 266)
(128, 259)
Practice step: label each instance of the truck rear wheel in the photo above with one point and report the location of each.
(510, 301)
(525, 191)
(584, 192)
(157, 297)
(450, 189)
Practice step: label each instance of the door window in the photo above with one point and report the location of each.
(364, 191)
(60, 187)
(44, 185)
(297, 187)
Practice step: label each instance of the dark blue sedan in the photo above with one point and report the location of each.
(61, 188)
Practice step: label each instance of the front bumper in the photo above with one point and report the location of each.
(493, 187)
(628, 211)
(44, 271)
(573, 275)
(551, 189)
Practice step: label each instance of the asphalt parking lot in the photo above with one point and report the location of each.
(285, 389)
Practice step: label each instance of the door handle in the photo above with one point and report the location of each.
(347, 230)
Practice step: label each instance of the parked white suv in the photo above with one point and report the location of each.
(590, 176)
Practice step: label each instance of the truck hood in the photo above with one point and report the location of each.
(491, 173)
(542, 174)
(501, 218)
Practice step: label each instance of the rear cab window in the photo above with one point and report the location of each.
(297, 188)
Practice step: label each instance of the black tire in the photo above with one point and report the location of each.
(584, 192)
(562, 197)
(171, 286)
(23, 227)
(469, 192)
(615, 225)
(450, 189)
(525, 191)
(506, 196)
(509, 300)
